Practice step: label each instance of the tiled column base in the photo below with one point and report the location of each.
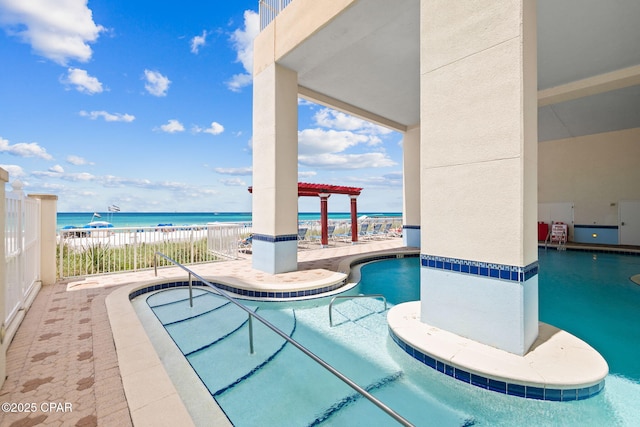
(494, 304)
(411, 235)
(275, 254)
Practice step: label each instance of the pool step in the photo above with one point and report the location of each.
(360, 311)
(228, 362)
(170, 310)
(194, 333)
(293, 379)
(418, 408)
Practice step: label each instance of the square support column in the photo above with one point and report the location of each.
(48, 243)
(275, 170)
(411, 187)
(478, 82)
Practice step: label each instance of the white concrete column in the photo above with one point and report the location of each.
(275, 170)
(411, 187)
(478, 82)
(48, 223)
(4, 178)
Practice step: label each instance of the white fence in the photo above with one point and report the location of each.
(90, 251)
(22, 251)
(223, 239)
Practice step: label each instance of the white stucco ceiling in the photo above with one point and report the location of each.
(368, 57)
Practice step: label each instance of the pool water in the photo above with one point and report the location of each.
(589, 295)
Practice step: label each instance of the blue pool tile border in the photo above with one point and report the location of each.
(479, 268)
(239, 292)
(277, 295)
(498, 386)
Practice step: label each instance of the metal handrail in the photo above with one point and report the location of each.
(350, 297)
(393, 414)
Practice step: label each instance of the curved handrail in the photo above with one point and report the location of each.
(393, 414)
(350, 297)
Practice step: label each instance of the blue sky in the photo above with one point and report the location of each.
(147, 105)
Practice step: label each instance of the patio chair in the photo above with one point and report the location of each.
(330, 230)
(363, 229)
(302, 234)
(244, 245)
(374, 232)
(385, 232)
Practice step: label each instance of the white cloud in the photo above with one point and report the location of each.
(233, 182)
(82, 81)
(317, 141)
(306, 174)
(60, 30)
(238, 81)
(346, 161)
(56, 169)
(172, 126)
(393, 179)
(156, 84)
(198, 41)
(15, 171)
(108, 117)
(82, 176)
(342, 145)
(234, 171)
(77, 160)
(327, 117)
(215, 129)
(242, 40)
(24, 149)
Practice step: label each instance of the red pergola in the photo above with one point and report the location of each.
(324, 191)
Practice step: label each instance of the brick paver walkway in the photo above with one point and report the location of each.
(62, 364)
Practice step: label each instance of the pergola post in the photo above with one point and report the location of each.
(324, 219)
(354, 219)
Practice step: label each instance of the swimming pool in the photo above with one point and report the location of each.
(589, 295)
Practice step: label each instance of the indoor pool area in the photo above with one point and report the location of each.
(588, 294)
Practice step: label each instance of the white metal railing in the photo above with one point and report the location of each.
(22, 250)
(269, 9)
(223, 239)
(91, 251)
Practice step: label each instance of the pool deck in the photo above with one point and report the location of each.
(82, 347)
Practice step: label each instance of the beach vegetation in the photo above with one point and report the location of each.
(100, 258)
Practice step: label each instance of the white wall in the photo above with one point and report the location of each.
(593, 172)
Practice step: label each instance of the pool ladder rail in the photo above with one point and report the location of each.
(351, 297)
(393, 414)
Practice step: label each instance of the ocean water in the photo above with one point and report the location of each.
(149, 219)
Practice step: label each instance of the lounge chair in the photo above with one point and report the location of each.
(302, 233)
(330, 230)
(373, 233)
(385, 232)
(363, 229)
(244, 245)
(344, 237)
